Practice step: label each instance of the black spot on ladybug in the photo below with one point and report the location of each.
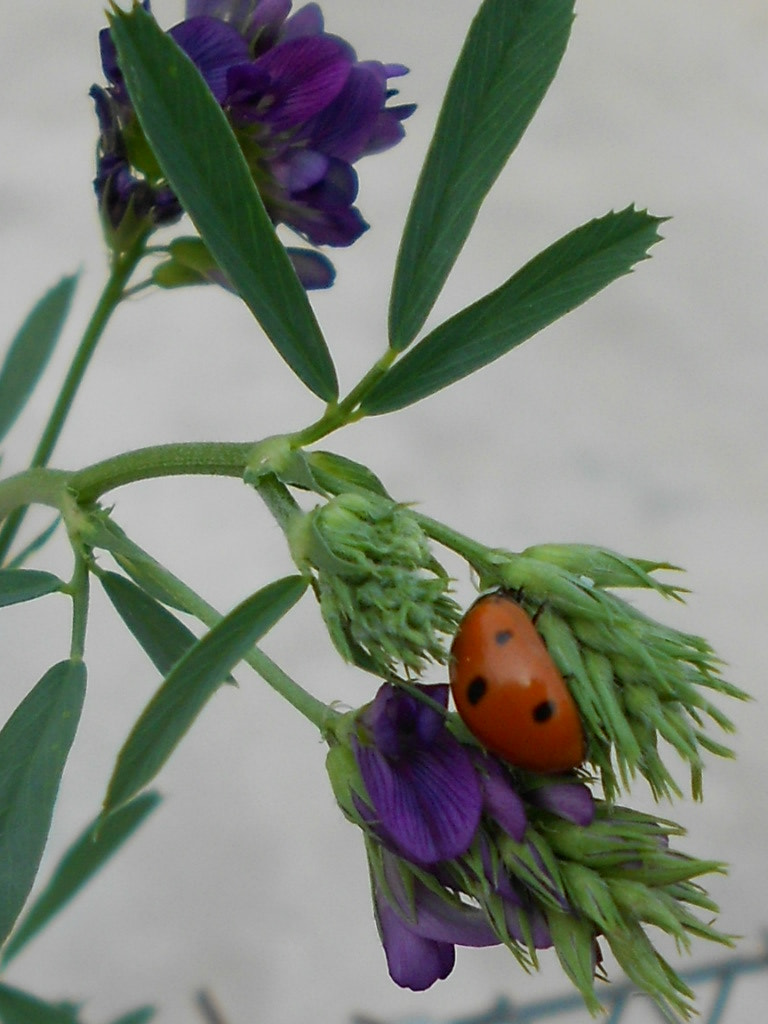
(544, 711)
(503, 637)
(476, 690)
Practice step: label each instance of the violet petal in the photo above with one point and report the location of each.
(500, 801)
(567, 799)
(213, 47)
(429, 802)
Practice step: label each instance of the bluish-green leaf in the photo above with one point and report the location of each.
(18, 585)
(557, 280)
(86, 856)
(510, 56)
(17, 1007)
(200, 157)
(190, 684)
(160, 633)
(34, 545)
(336, 473)
(34, 744)
(31, 349)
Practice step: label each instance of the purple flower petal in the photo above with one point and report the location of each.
(429, 802)
(413, 961)
(500, 801)
(305, 22)
(213, 47)
(312, 268)
(345, 126)
(567, 799)
(306, 75)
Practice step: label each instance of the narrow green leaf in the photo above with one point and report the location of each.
(18, 585)
(89, 853)
(31, 349)
(509, 59)
(200, 157)
(34, 545)
(17, 1007)
(160, 633)
(190, 684)
(34, 744)
(560, 278)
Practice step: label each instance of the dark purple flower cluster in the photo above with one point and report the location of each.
(303, 108)
(452, 859)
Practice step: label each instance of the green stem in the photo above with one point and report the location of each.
(278, 500)
(80, 593)
(204, 458)
(314, 710)
(346, 411)
(122, 268)
(470, 550)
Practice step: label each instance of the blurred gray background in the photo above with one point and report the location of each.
(638, 422)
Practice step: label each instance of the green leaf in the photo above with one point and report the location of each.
(17, 1007)
(200, 158)
(190, 684)
(510, 56)
(34, 545)
(560, 278)
(89, 853)
(18, 585)
(160, 633)
(31, 349)
(34, 744)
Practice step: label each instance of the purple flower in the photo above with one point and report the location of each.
(425, 797)
(303, 108)
(420, 929)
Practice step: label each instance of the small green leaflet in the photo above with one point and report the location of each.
(18, 585)
(86, 856)
(200, 157)
(560, 278)
(34, 744)
(31, 349)
(511, 54)
(190, 684)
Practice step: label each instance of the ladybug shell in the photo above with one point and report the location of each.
(510, 693)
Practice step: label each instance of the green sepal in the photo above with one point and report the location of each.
(337, 474)
(276, 456)
(574, 941)
(650, 972)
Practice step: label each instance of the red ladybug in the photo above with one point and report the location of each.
(510, 693)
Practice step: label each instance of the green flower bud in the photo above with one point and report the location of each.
(385, 599)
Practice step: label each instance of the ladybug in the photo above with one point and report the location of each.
(509, 691)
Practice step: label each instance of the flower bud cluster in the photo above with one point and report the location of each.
(464, 850)
(384, 597)
(636, 681)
